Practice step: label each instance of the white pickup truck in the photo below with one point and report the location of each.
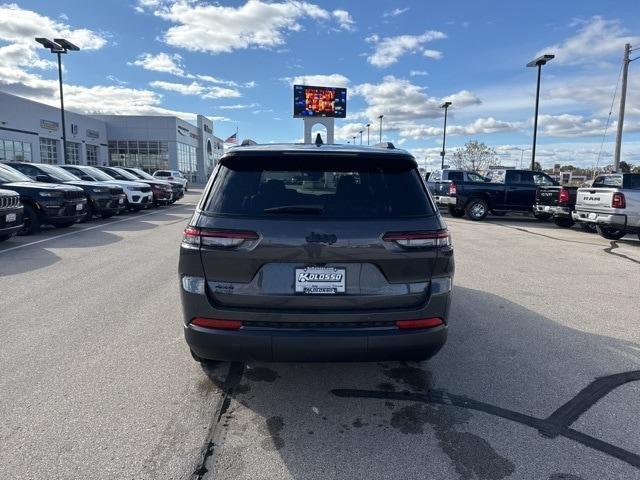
(612, 203)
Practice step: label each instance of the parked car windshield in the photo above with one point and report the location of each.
(142, 174)
(328, 187)
(97, 174)
(60, 174)
(8, 174)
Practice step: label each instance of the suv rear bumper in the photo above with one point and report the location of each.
(315, 343)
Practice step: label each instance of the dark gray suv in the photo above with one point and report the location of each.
(315, 253)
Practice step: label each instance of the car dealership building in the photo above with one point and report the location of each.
(31, 132)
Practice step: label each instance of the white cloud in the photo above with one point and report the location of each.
(480, 126)
(238, 106)
(331, 80)
(433, 54)
(195, 88)
(162, 62)
(344, 18)
(388, 50)
(567, 125)
(399, 100)
(418, 73)
(216, 29)
(395, 12)
(597, 39)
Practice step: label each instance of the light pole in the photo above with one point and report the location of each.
(522, 150)
(354, 139)
(361, 137)
(538, 62)
(446, 106)
(368, 125)
(380, 118)
(60, 46)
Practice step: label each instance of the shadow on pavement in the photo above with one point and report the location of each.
(285, 420)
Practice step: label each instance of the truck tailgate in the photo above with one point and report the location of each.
(595, 199)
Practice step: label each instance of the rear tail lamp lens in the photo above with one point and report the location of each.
(453, 189)
(563, 196)
(440, 238)
(197, 237)
(421, 323)
(618, 200)
(218, 324)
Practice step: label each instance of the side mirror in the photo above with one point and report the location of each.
(86, 178)
(42, 178)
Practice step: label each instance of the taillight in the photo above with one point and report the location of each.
(421, 323)
(419, 239)
(215, 323)
(563, 196)
(618, 200)
(453, 189)
(194, 237)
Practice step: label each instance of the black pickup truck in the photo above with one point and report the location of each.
(502, 191)
(10, 214)
(44, 203)
(449, 174)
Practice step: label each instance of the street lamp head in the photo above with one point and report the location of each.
(368, 125)
(445, 105)
(380, 116)
(541, 60)
(67, 45)
(46, 43)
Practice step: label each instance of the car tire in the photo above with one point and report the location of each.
(498, 213)
(543, 217)
(610, 233)
(455, 212)
(476, 209)
(89, 215)
(64, 224)
(588, 227)
(107, 214)
(563, 222)
(31, 222)
(4, 238)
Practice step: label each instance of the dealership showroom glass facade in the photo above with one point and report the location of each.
(31, 132)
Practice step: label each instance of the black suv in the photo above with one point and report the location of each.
(316, 253)
(10, 214)
(44, 203)
(102, 199)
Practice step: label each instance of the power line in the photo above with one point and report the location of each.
(606, 127)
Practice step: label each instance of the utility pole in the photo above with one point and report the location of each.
(380, 118)
(446, 106)
(623, 99)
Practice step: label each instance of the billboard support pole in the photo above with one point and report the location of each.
(327, 122)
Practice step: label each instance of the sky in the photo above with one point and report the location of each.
(236, 62)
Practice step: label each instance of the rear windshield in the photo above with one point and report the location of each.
(323, 187)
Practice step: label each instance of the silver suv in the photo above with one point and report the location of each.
(315, 253)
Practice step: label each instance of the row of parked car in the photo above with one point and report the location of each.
(610, 206)
(32, 194)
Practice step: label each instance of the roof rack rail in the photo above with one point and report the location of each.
(388, 145)
(248, 142)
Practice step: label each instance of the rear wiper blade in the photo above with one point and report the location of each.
(314, 209)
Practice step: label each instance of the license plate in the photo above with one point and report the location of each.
(78, 206)
(320, 280)
(593, 216)
(121, 200)
(10, 218)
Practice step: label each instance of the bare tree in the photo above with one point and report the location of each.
(475, 156)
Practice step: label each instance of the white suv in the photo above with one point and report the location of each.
(172, 176)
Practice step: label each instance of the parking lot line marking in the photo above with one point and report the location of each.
(93, 227)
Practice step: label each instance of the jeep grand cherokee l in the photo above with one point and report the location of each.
(10, 214)
(44, 203)
(330, 253)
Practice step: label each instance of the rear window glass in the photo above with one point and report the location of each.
(610, 181)
(455, 176)
(323, 187)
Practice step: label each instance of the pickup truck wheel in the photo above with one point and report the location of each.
(542, 216)
(455, 212)
(610, 233)
(477, 209)
(588, 227)
(30, 221)
(563, 222)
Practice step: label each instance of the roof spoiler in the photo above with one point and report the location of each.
(387, 145)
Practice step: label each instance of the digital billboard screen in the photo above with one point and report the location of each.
(311, 101)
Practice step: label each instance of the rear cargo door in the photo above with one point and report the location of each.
(319, 229)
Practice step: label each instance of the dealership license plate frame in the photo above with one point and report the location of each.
(10, 218)
(79, 207)
(320, 280)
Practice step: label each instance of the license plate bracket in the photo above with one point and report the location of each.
(320, 280)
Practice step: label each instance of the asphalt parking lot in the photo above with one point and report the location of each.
(539, 378)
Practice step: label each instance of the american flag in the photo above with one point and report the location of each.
(232, 139)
